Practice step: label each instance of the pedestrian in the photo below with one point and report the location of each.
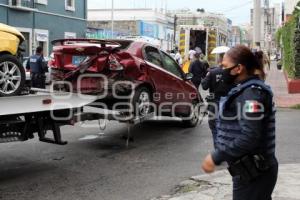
(204, 61)
(198, 70)
(246, 129)
(38, 67)
(178, 57)
(214, 83)
(267, 61)
(192, 53)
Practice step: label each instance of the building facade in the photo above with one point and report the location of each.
(144, 22)
(247, 34)
(42, 21)
(289, 6)
(270, 21)
(236, 37)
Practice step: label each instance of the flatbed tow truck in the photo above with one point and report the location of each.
(45, 112)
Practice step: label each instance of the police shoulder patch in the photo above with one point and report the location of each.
(252, 106)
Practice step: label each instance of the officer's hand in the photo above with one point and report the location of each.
(208, 164)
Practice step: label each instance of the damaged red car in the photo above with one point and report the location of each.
(148, 78)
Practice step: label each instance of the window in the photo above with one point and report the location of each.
(171, 65)
(153, 56)
(26, 44)
(21, 3)
(44, 2)
(42, 39)
(70, 5)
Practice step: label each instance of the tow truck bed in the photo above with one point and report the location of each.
(41, 102)
(22, 116)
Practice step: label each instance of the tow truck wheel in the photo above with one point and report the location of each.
(12, 76)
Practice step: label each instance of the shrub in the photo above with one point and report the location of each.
(297, 42)
(278, 37)
(289, 34)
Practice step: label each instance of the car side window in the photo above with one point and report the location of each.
(171, 65)
(152, 55)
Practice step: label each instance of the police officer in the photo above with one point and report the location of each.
(217, 88)
(38, 67)
(246, 129)
(198, 70)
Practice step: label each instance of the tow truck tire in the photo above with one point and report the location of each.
(12, 76)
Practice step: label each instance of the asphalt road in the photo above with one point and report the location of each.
(162, 155)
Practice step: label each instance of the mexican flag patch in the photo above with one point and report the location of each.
(253, 107)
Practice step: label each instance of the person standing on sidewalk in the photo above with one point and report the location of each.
(38, 67)
(246, 129)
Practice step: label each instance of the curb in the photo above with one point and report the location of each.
(218, 186)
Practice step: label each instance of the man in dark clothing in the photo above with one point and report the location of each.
(38, 67)
(204, 61)
(214, 83)
(217, 89)
(198, 70)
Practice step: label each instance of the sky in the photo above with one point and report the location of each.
(236, 10)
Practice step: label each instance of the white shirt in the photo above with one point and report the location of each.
(192, 54)
(178, 58)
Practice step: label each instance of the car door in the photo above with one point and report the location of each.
(178, 85)
(159, 77)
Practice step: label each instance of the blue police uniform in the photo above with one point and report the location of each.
(38, 68)
(217, 88)
(246, 132)
(199, 71)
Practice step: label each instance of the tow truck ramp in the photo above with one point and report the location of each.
(45, 111)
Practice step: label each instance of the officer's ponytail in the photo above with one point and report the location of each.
(259, 55)
(253, 62)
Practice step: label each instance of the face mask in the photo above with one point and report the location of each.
(227, 77)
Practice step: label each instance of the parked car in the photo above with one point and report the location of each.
(156, 76)
(48, 74)
(12, 73)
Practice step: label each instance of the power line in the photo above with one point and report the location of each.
(236, 7)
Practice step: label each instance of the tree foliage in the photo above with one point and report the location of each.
(289, 35)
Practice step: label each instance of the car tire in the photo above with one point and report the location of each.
(194, 116)
(141, 102)
(12, 76)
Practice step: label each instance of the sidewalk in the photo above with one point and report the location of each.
(276, 79)
(218, 186)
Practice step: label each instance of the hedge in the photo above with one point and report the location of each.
(289, 37)
(297, 42)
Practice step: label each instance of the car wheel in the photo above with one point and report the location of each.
(141, 102)
(12, 76)
(194, 116)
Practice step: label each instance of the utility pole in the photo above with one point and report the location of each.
(268, 34)
(257, 23)
(112, 19)
(175, 28)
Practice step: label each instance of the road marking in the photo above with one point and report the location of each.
(89, 137)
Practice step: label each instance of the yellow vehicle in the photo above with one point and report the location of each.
(12, 73)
